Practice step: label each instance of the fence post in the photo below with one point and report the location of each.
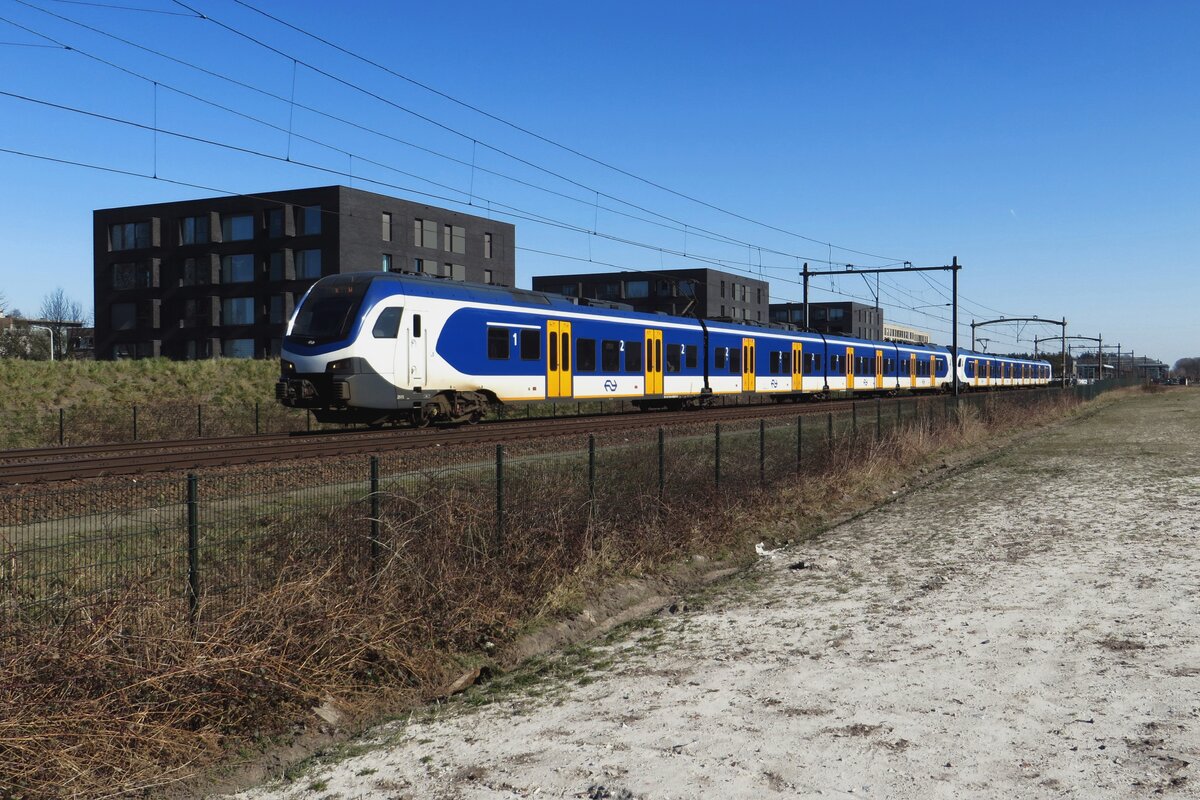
(878, 420)
(662, 464)
(591, 470)
(256, 418)
(762, 452)
(308, 420)
(375, 546)
(500, 495)
(193, 547)
(62, 426)
(829, 434)
(135, 423)
(899, 408)
(199, 421)
(799, 442)
(717, 455)
(854, 418)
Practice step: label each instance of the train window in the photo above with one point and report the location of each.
(610, 356)
(776, 362)
(585, 355)
(835, 363)
(565, 339)
(416, 326)
(735, 361)
(497, 342)
(673, 361)
(689, 356)
(552, 349)
(388, 324)
(531, 344)
(633, 356)
(720, 356)
(888, 366)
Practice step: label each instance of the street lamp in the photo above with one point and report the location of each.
(49, 331)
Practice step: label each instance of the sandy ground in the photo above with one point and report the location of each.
(1025, 628)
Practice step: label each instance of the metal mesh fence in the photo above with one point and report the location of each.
(207, 544)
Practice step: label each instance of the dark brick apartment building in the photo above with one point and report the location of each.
(220, 276)
(708, 293)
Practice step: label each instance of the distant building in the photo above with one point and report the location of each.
(221, 275)
(707, 293)
(902, 333)
(846, 319)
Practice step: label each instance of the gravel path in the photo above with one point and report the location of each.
(1026, 628)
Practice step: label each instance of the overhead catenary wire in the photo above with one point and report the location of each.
(292, 103)
(686, 228)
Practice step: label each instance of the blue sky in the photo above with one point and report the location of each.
(1051, 147)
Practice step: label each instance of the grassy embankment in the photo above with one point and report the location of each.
(150, 702)
(98, 398)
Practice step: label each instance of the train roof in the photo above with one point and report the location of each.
(428, 286)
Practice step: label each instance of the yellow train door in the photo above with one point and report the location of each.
(797, 366)
(878, 369)
(558, 358)
(850, 368)
(654, 363)
(975, 379)
(912, 371)
(747, 365)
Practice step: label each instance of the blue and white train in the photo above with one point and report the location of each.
(381, 347)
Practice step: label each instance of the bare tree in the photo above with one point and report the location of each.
(3, 304)
(1188, 368)
(57, 310)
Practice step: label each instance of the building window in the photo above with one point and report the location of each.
(237, 269)
(237, 348)
(308, 263)
(196, 272)
(637, 289)
(308, 221)
(276, 266)
(129, 236)
(425, 265)
(454, 271)
(608, 291)
(487, 245)
(837, 314)
(425, 233)
(237, 311)
(276, 310)
(131, 276)
(194, 230)
(387, 226)
(687, 288)
(386, 264)
(454, 238)
(487, 276)
(273, 222)
(237, 227)
(124, 316)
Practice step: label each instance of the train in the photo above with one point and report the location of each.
(378, 348)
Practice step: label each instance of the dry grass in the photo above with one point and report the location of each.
(127, 697)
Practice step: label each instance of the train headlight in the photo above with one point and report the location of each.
(346, 366)
(287, 368)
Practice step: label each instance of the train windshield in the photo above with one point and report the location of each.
(329, 312)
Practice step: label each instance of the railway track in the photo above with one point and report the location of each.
(74, 463)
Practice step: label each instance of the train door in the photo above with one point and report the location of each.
(654, 362)
(975, 376)
(558, 359)
(416, 351)
(797, 366)
(912, 371)
(878, 369)
(748, 365)
(850, 368)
